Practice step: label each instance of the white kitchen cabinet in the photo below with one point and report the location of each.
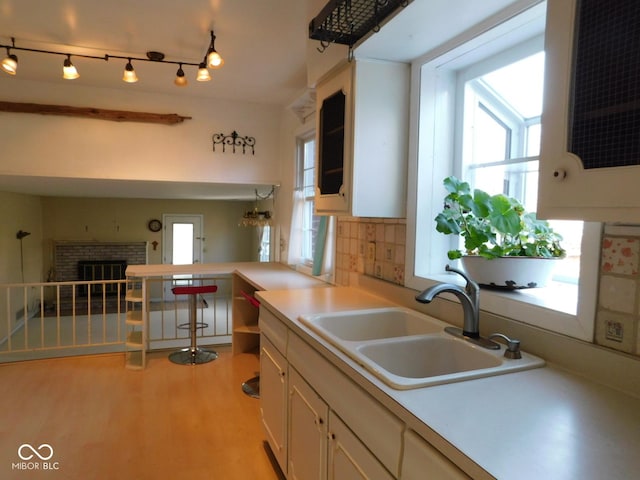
(362, 140)
(590, 154)
(273, 399)
(329, 428)
(421, 461)
(308, 421)
(349, 459)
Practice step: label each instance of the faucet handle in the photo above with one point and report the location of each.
(471, 287)
(513, 345)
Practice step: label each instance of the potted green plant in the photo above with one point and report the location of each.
(503, 244)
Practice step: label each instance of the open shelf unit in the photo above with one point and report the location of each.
(135, 324)
(246, 334)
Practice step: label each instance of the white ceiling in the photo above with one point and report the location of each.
(263, 43)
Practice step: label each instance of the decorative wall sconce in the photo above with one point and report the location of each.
(211, 59)
(234, 140)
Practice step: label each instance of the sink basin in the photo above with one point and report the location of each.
(406, 349)
(360, 325)
(430, 356)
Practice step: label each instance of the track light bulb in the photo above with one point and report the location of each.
(129, 75)
(214, 60)
(69, 71)
(203, 73)
(10, 63)
(180, 80)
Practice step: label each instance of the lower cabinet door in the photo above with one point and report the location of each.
(423, 462)
(349, 459)
(273, 399)
(308, 416)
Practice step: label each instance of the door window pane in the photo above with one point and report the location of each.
(182, 243)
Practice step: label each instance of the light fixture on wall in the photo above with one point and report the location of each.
(211, 59)
(255, 217)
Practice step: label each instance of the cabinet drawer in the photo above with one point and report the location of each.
(376, 427)
(274, 329)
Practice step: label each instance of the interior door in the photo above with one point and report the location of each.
(182, 244)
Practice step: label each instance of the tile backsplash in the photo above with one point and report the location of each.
(618, 312)
(376, 247)
(370, 246)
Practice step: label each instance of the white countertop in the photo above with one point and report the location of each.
(538, 424)
(263, 275)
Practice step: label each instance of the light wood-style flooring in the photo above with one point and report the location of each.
(107, 422)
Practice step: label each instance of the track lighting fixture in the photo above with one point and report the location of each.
(203, 73)
(69, 71)
(129, 75)
(212, 60)
(180, 80)
(10, 62)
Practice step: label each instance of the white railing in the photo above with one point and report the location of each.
(39, 320)
(51, 319)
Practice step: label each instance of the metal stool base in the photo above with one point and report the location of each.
(189, 356)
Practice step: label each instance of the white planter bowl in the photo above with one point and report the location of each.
(509, 273)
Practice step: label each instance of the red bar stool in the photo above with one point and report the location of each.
(193, 355)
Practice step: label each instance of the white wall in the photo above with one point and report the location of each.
(87, 148)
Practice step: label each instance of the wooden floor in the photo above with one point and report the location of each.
(107, 422)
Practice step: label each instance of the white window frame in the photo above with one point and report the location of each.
(310, 198)
(430, 100)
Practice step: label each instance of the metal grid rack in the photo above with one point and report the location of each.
(347, 21)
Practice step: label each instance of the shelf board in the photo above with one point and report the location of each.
(135, 360)
(134, 317)
(253, 329)
(134, 295)
(134, 339)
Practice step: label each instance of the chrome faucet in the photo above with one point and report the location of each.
(469, 297)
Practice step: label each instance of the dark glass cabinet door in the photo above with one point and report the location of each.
(604, 128)
(331, 149)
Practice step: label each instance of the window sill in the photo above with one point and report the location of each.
(554, 307)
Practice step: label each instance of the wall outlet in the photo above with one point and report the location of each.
(615, 331)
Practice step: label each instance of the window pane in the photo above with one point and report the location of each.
(520, 84)
(533, 140)
(182, 243)
(490, 138)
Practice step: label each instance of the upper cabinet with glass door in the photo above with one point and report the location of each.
(362, 140)
(590, 154)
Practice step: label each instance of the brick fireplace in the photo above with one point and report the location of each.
(76, 261)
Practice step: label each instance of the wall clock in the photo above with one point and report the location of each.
(155, 225)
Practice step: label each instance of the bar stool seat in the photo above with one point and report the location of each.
(193, 355)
